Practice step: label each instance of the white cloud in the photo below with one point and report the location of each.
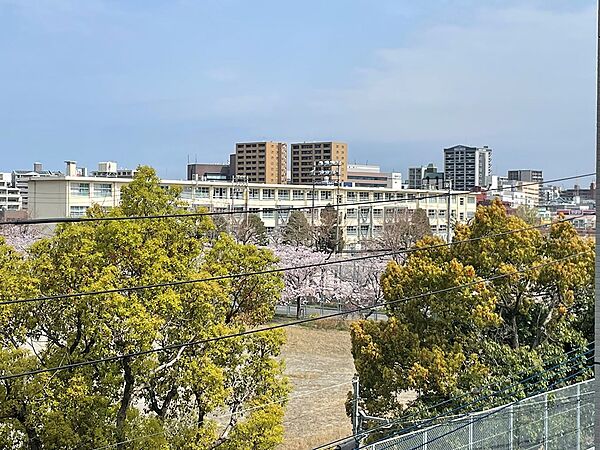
(514, 77)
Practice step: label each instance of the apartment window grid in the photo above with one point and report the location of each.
(268, 194)
(283, 194)
(254, 193)
(298, 194)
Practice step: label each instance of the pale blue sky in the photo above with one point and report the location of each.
(155, 81)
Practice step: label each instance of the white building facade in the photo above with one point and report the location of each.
(10, 197)
(363, 211)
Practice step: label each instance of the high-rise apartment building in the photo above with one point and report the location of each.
(529, 176)
(468, 167)
(261, 162)
(311, 161)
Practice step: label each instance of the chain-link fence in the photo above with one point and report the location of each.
(555, 420)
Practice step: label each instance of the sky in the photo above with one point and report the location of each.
(158, 82)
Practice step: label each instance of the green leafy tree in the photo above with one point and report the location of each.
(169, 399)
(451, 343)
(297, 231)
(329, 237)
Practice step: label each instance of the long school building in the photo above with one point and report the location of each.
(363, 211)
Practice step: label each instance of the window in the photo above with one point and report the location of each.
(431, 213)
(442, 213)
(202, 192)
(268, 193)
(268, 214)
(364, 230)
(377, 230)
(377, 212)
(220, 192)
(351, 231)
(351, 196)
(471, 200)
(325, 195)
(377, 196)
(80, 188)
(283, 194)
(297, 194)
(461, 201)
(102, 189)
(78, 211)
(351, 213)
(253, 193)
(185, 194)
(461, 216)
(364, 196)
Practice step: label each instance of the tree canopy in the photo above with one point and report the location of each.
(447, 344)
(215, 395)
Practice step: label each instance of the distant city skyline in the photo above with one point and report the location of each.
(156, 82)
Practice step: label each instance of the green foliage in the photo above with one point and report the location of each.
(173, 397)
(328, 234)
(451, 343)
(297, 231)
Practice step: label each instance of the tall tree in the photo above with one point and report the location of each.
(447, 344)
(297, 230)
(401, 230)
(329, 237)
(169, 399)
(251, 230)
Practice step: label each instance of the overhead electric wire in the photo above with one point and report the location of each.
(461, 407)
(273, 209)
(278, 269)
(279, 326)
(497, 410)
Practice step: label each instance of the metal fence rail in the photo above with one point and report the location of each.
(555, 420)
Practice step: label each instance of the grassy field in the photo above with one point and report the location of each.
(317, 360)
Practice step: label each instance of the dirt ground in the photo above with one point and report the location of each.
(320, 367)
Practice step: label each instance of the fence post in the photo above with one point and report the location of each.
(510, 427)
(545, 421)
(424, 434)
(578, 445)
(470, 432)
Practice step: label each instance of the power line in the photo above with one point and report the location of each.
(463, 406)
(240, 412)
(278, 269)
(275, 327)
(273, 209)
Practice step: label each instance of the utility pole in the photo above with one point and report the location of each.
(597, 264)
(355, 412)
(448, 212)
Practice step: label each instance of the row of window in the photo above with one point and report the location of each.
(99, 189)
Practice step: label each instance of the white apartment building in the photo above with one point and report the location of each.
(70, 196)
(10, 197)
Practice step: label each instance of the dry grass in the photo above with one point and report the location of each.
(316, 360)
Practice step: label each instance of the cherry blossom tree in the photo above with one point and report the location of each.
(20, 237)
(351, 284)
